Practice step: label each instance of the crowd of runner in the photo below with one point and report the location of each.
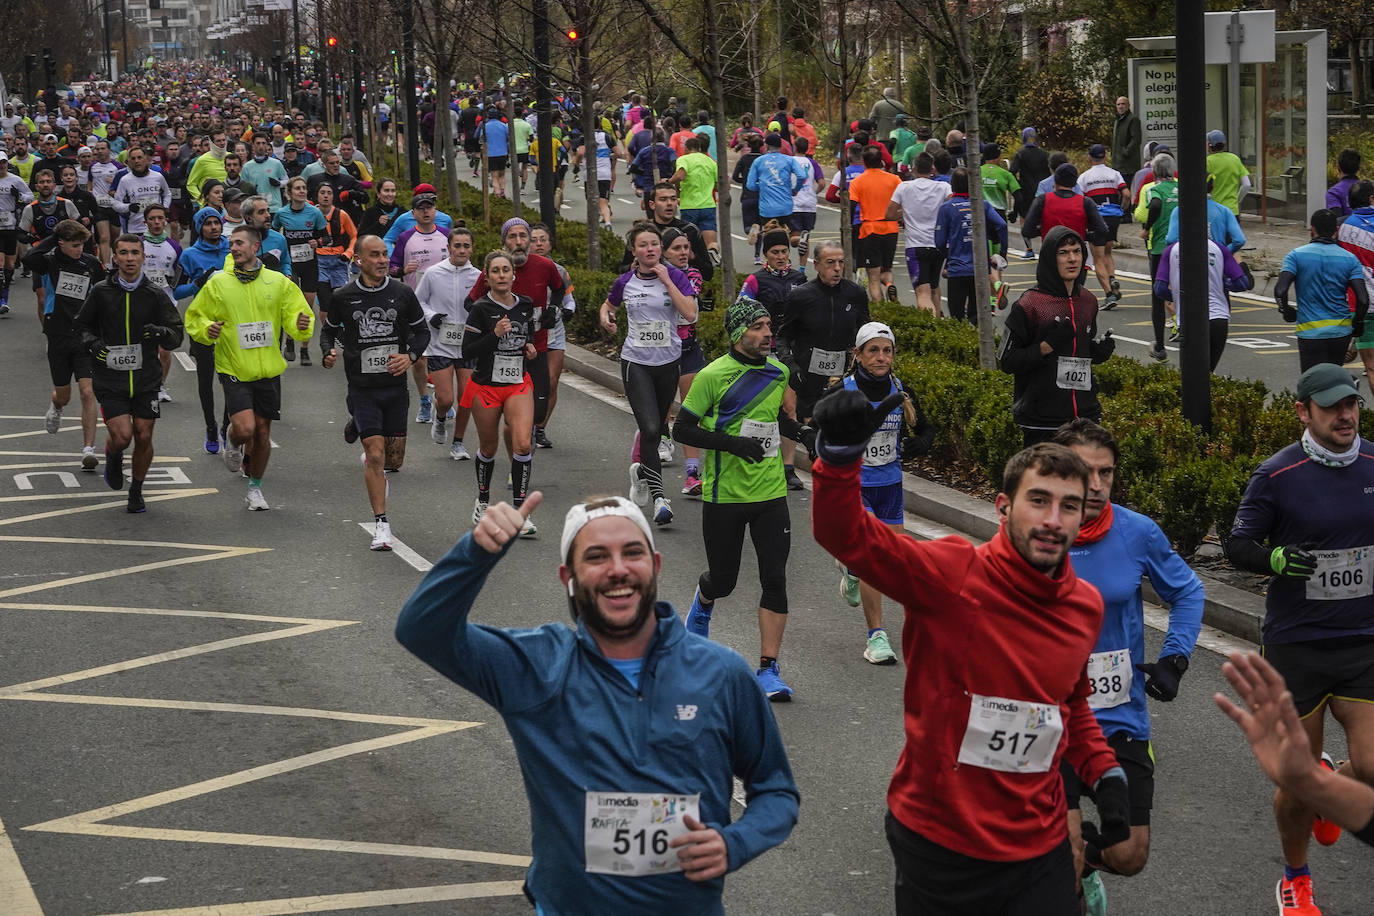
(174, 207)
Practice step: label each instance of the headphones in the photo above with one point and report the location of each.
(570, 588)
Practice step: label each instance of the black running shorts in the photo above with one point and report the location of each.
(1137, 758)
(1341, 668)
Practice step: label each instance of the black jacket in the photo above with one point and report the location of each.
(114, 317)
(816, 315)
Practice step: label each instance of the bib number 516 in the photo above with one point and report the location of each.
(641, 842)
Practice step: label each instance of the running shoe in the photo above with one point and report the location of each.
(1110, 301)
(771, 682)
(665, 451)
(698, 617)
(1173, 332)
(438, 431)
(999, 295)
(479, 509)
(136, 504)
(164, 395)
(793, 481)
(350, 431)
(305, 356)
(52, 420)
(663, 511)
(891, 292)
(1094, 895)
(528, 529)
(211, 441)
(425, 412)
(381, 536)
(541, 438)
(233, 456)
(1324, 831)
(753, 233)
(458, 452)
(452, 412)
(1028, 255)
(114, 470)
(1115, 285)
(879, 650)
(849, 588)
(289, 350)
(1295, 897)
(89, 461)
(639, 487)
(691, 486)
(1157, 353)
(803, 240)
(255, 500)
(4, 308)
(758, 261)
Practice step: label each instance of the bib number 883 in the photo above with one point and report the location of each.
(642, 842)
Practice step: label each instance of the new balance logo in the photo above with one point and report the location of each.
(686, 713)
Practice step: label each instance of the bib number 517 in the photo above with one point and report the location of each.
(642, 842)
(1011, 742)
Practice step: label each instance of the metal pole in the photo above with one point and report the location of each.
(321, 66)
(296, 54)
(1235, 37)
(109, 61)
(542, 103)
(124, 30)
(1192, 213)
(412, 116)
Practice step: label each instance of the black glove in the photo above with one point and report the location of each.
(274, 182)
(1059, 335)
(846, 418)
(1163, 676)
(1106, 347)
(807, 437)
(1288, 312)
(1113, 799)
(99, 351)
(436, 320)
(917, 445)
(1249, 275)
(751, 450)
(134, 207)
(205, 277)
(158, 332)
(1293, 562)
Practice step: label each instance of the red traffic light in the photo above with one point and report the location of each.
(333, 42)
(573, 34)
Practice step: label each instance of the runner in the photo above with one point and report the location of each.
(498, 341)
(1049, 344)
(1304, 520)
(335, 252)
(880, 478)
(1115, 547)
(101, 178)
(265, 172)
(872, 190)
(696, 177)
(917, 205)
(677, 252)
(65, 273)
(806, 204)
(303, 226)
(655, 296)
(39, 219)
(160, 256)
(198, 263)
(125, 321)
(1225, 275)
(608, 153)
(749, 199)
(1157, 204)
(14, 196)
(976, 808)
(443, 294)
(1356, 235)
(737, 410)
(378, 325)
(1031, 165)
(561, 689)
(776, 177)
(1106, 188)
(1323, 271)
(556, 337)
(258, 305)
(1232, 178)
(954, 243)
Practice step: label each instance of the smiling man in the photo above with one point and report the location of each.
(628, 728)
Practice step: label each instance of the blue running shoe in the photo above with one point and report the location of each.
(773, 687)
(698, 618)
(425, 413)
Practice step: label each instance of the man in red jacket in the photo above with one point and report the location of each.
(996, 640)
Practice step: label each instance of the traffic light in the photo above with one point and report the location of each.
(332, 41)
(49, 67)
(572, 34)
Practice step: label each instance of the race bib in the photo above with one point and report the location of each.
(451, 333)
(627, 833)
(6, 219)
(157, 278)
(1109, 678)
(72, 285)
(176, 193)
(374, 359)
(148, 200)
(125, 358)
(1013, 736)
(826, 362)
(255, 334)
(882, 448)
(1342, 574)
(302, 252)
(765, 433)
(508, 368)
(104, 200)
(652, 333)
(1075, 373)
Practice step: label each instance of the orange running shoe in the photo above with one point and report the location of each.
(1295, 897)
(1323, 831)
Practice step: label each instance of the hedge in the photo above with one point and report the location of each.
(1188, 482)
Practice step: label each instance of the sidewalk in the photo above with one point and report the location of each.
(1265, 247)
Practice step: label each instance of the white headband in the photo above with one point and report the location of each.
(579, 515)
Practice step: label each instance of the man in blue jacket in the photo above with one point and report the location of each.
(1114, 548)
(198, 262)
(628, 728)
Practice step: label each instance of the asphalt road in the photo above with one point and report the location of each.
(204, 710)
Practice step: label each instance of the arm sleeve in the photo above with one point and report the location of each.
(1235, 238)
(169, 317)
(1254, 522)
(85, 324)
(1085, 749)
(759, 759)
(201, 313)
(999, 225)
(477, 340)
(1178, 585)
(688, 430)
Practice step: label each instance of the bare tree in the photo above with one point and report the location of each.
(443, 33)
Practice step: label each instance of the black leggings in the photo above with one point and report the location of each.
(538, 368)
(650, 391)
(1314, 350)
(959, 295)
(204, 356)
(1156, 304)
(722, 528)
(1217, 329)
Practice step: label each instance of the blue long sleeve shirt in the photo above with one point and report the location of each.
(954, 233)
(777, 179)
(1222, 227)
(696, 718)
(1135, 547)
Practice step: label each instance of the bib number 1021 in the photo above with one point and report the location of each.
(640, 842)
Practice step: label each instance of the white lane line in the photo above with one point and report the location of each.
(185, 359)
(273, 443)
(1143, 343)
(737, 793)
(592, 389)
(399, 548)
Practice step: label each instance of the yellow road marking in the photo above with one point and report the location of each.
(221, 554)
(32, 497)
(245, 708)
(54, 513)
(15, 891)
(40, 432)
(330, 902)
(161, 612)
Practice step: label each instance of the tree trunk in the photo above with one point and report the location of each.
(591, 194)
(982, 289)
(846, 223)
(724, 210)
(512, 167)
(755, 69)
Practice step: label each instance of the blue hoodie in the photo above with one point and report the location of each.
(697, 718)
(1134, 547)
(202, 257)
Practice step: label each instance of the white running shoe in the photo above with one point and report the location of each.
(663, 511)
(163, 394)
(438, 430)
(528, 530)
(458, 452)
(479, 509)
(639, 487)
(381, 536)
(233, 456)
(255, 500)
(665, 451)
(52, 420)
(89, 460)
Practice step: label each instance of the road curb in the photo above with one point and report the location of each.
(1227, 608)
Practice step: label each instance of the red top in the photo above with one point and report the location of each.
(539, 279)
(979, 620)
(1064, 211)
